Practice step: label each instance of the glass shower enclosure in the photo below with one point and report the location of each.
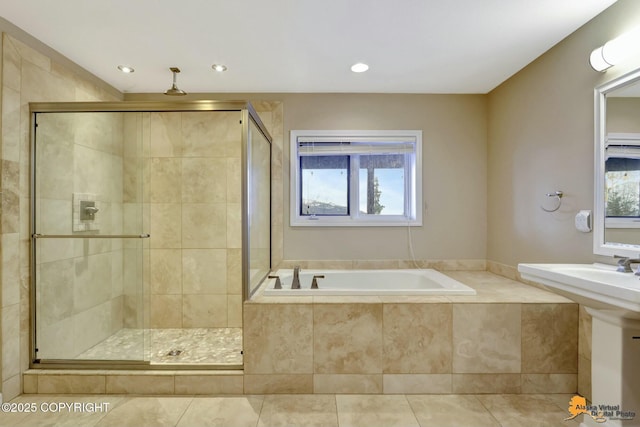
(150, 227)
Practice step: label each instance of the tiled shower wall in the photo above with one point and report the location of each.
(195, 219)
(27, 76)
(30, 76)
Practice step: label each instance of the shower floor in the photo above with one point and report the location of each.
(195, 345)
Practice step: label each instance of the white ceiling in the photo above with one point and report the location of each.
(411, 46)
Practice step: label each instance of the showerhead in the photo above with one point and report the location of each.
(174, 91)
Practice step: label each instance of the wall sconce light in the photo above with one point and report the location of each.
(615, 51)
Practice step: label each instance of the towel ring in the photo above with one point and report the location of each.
(558, 196)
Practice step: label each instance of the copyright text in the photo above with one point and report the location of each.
(55, 407)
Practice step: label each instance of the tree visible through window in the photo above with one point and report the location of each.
(622, 186)
(382, 184)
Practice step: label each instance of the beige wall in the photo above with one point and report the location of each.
(454, 174)
(541, 140)
(622, 115)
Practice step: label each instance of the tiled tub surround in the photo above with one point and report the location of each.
(584, 329)
(509, 338)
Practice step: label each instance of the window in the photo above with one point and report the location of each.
(354, 178)
(622, 184)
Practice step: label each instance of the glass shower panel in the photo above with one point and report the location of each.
(89, 227)
(259, 206)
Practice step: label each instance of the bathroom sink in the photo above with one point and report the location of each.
(597, 286)
(613, 300)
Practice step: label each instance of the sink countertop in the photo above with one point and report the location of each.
(598, 286)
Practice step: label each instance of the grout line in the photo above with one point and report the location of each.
(415, 416)
(487, 409)
(261, 408)
(185, 410)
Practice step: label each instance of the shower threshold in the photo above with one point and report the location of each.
(210, 346)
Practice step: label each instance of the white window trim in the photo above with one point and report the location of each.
(413, 196)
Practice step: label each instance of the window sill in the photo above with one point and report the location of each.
(330, 222)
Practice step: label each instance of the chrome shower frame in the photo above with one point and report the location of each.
(248, 113)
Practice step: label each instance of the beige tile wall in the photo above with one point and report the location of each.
(27, 76)
(387, 264)
(195, 219)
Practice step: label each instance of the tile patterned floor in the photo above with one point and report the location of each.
(296, 410)
(196, 345)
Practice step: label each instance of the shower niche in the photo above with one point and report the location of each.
(150, 227)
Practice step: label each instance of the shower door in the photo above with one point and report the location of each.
(258, 206)
(89, 237)
(150, 226)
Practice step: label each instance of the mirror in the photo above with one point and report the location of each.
(617, 167)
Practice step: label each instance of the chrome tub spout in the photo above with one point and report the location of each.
(295, 283)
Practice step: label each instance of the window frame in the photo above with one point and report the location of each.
(412, 179)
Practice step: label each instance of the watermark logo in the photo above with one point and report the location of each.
(600, 413)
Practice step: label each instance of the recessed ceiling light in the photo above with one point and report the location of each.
(359, 67)
(125, 69)
(219, 67)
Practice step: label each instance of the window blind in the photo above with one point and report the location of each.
(327, 148)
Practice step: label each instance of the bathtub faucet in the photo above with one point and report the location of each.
(314, 282)
(295, 284)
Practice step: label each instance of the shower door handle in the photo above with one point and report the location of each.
(90, 236)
